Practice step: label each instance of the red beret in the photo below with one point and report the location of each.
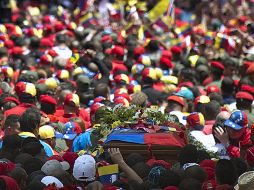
(59, 26)
(45, 42)
(177, 99)
(217, 65)
(119, 67)
(250, 69)
(46, 19)
(246, 64)
(9, 44)
(166, 61)
(153, 163)
(167, 54)
(48, 99)
(243, 18)
(176, 50)
(247, 88)
(139, 50)
(106, 38)
(244, 95)
(17, 50)
(213, 88)
(118, 50)
(52, 53)
(47, 28)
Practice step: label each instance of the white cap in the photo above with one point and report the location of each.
(47, 180)
(84, 168)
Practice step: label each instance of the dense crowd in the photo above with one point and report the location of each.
(64, 63)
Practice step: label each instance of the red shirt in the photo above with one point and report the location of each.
(19, 110)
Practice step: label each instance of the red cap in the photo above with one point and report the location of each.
(118, 51)
(176, 50)
(94, 107)
(48, 99)
(45, 42)
(139, 50)
(70, 157)
(124, 95)
(250, 69)
(17, 50)
(59, 26)
(46, 59)
(213, 88)
(246, 64)
(153, 163)
(186, 84)
(106, 38)
(247, 88)
(47, 28)
(217, 64)
(9, 44)
(201, 99)
(166, 61)
(119, 67)
(177, 99)
(52, 53)
(72, 99)
(244, 95)
(167, 54)
(122, 100)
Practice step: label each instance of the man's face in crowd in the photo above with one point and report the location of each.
(13, 129)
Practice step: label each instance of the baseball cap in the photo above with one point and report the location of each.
(52, 165)
(177, 99)
(25, 88)
(71, 99)
(84, 168)
(237, 120)
(46, 132)
(47, 180)
(201, 99)
(195, 119)
(185, 93)
(71, 130)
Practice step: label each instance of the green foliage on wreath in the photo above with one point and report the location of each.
(200, 146)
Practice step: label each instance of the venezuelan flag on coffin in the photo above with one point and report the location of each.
(133, 136)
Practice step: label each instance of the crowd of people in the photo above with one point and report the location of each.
(63, 61)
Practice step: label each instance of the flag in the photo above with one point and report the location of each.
(220, 41)
(158, 10)
(141, 34)
(183, 30)
(74, 58)
(108, 174)
(88, 19)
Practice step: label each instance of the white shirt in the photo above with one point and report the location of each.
(207, 140)
(63, 52)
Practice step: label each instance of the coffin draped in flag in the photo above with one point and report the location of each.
(139, 137)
